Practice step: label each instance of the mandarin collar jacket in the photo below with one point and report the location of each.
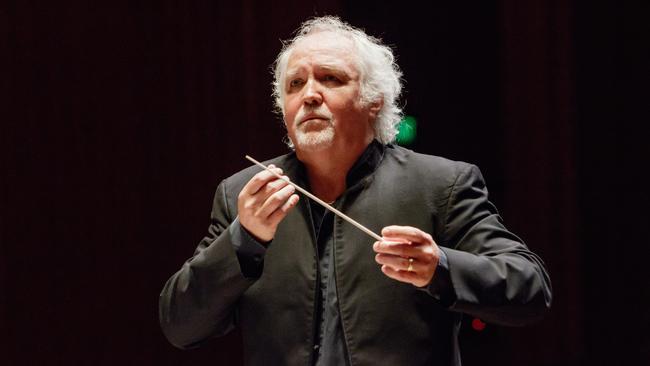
(493, 275)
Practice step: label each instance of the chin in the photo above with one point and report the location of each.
(314, 141)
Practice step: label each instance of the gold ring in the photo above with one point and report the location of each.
(410, 267)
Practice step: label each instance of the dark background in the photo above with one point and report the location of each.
(120, 119)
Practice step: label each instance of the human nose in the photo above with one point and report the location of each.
(312, 94)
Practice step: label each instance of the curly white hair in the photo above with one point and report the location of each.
(380, 76)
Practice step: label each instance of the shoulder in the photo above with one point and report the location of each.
(426, 168)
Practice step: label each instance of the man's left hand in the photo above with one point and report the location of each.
(407, 254)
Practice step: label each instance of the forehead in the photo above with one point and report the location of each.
(324, 49)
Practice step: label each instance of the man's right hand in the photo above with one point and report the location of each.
(263, 202)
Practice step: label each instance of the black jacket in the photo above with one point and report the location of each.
(494, 276)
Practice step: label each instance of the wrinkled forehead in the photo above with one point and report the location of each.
(324, 49)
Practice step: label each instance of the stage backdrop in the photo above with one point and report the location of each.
(120, 119)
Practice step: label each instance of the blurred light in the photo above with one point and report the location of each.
(406, 131)
(478, 324)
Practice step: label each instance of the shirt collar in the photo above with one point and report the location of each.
(366, 164)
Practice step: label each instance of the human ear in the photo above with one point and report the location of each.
(375, 107)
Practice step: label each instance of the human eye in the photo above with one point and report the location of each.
(295, 83)
(331, 78)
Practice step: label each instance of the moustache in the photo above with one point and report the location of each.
(305, 115)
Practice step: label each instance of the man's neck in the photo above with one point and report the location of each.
(327, 170)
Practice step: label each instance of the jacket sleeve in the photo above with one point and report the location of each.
(494, 276)
(199, 301)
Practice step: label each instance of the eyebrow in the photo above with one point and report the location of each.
(333, 68)
(329, 67)
(292, 72)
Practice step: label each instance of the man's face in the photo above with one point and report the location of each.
(322, 104)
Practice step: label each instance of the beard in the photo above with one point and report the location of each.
(313, 135)
(314, 139)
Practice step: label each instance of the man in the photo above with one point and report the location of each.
(306, 287)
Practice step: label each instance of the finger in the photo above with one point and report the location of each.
(275, 201)
(406, 232)
(271, 187)
(256, 201)
(403, 276)
(258, 198)
(400, 249)
(259, 180)
(399, 263)
(282, 212)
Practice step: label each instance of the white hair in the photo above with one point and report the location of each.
(380, 76)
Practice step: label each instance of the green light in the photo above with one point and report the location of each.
(406, 131)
